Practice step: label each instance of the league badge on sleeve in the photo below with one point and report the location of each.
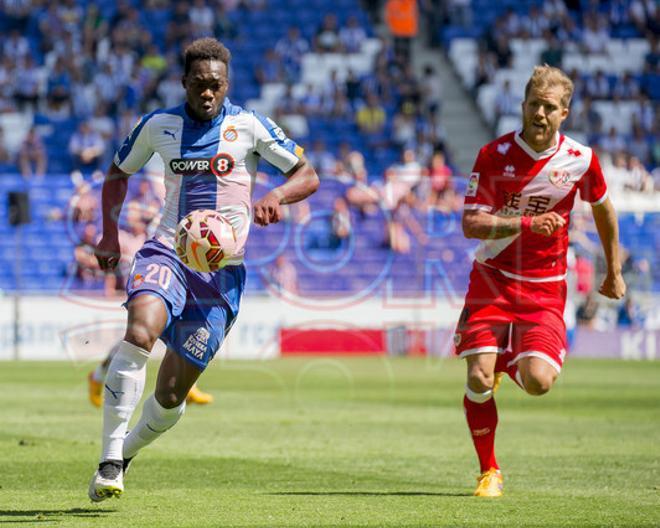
(473, 184)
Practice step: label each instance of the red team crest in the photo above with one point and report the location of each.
(559, 178)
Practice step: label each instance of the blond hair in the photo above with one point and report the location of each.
(544, 77)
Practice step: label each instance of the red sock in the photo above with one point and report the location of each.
(502, 365)
(482, 421)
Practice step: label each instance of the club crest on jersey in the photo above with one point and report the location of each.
(221, 165)
(559, 178)
(503, 148)
(230, 134)
(509, 171)
(473, 184)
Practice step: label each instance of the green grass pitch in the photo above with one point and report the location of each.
(340, 442)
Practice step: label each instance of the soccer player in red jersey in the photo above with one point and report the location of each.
(518, 203)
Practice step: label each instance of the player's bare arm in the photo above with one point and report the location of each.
(613, 285)
(302, 181)
(114, 193)
(482, 225)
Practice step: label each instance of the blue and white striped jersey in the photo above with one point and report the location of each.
(208, 164)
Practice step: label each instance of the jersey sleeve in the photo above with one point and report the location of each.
(479, 193)
(271, 143)
(593, 188)
(136, 149)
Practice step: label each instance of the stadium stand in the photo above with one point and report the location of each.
(323, 78)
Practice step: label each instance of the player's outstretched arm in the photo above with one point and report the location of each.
(613, 285)
(114, 193)
(302, 181)
(482, 225)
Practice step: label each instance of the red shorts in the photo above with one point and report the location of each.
(524, 317)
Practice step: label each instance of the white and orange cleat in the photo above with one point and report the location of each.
(491, 484)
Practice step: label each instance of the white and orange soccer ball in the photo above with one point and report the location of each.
(205, 241)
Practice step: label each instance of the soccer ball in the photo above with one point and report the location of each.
(205, 240)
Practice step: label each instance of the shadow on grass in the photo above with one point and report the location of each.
(372, 493)
(36, 516)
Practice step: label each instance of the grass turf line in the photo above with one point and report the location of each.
(335, 442)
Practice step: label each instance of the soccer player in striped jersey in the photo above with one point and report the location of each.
(518, 203)
(211, 149)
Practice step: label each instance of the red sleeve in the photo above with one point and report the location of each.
(593, 188)
(479, 193)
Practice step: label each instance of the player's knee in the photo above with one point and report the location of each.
(141, 336)
(538, 384)
(168, 397)
(480, 380)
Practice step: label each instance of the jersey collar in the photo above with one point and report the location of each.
(531, 152)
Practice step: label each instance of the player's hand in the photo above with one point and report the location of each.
(267, 210)
(547, 223)
(613, 286)
(108, 253)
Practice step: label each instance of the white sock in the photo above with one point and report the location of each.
(124, 385)
(99, 373)
(155, 420)
(478, 397)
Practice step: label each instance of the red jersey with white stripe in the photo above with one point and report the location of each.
(511, 179)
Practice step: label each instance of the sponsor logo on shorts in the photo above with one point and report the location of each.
(138, 280)
(230, 134)
(221, 164)
(473, 184)
(457, 339)
(197, 343)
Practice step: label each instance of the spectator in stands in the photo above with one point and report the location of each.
(638, 146)
(327, 39)
(598, 87)
(584, 118)
(84, 203)
(554, 53)
(179, 27)
(640, 180)
(431, 90)
(59, 84)
(5, 157)
(587, 311)
(644, 113)
(352, 88)
(321, 158)
(506, 102)
(86, 148)
(32, 155)
(595, 34)
(535, 23)
(484, 71)
(28, 84)
(284, 277)
(403, 129)
(291, 49)
(16, 47)
(402, 178)
(311, 101)
(370, 118)
(440, 175)
(642, 13)
(341, 225)
(401, 18)
(630, 315)
(402, 221)
(613, 142)
(170, 91)
(626, 87)
(87, 267)
(352, 35)
(269, 70)
(201, 19)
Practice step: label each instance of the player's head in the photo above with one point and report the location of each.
(547, 98)
(205, 77)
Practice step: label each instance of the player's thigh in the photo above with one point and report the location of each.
(175, 378)
(156, 290)
(537, 374)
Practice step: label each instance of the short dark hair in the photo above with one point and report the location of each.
(206, 49)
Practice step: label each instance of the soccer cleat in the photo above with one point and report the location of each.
(95, 389)
(499, 376)
(107, 481)
(491, 484)
(195, 395)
